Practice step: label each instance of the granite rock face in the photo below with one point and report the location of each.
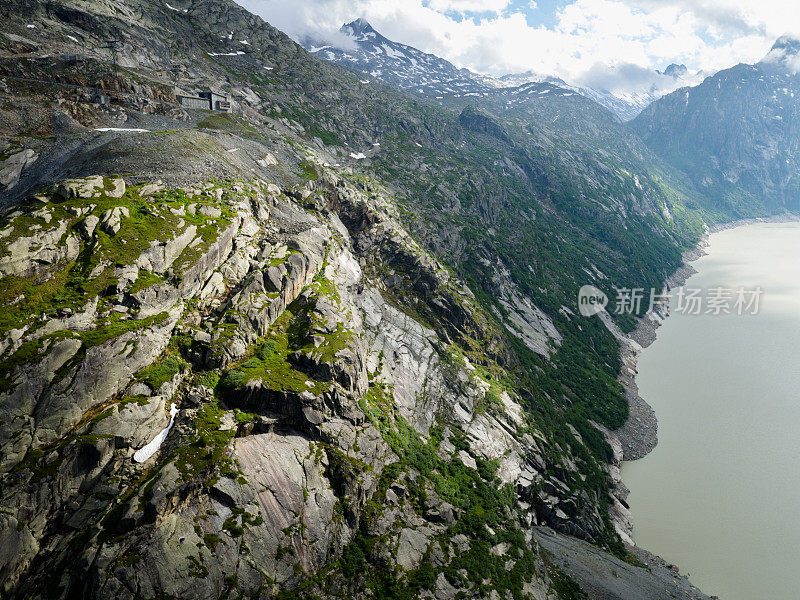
(319, 361)
(358, 377)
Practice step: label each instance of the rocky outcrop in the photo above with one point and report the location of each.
(12, 167)
(604, 576)
(523, 318)
(298, 478)
(30, 255)
(480, 121)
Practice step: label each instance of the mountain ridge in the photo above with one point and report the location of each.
(734, 133)
(425, 73)
(361, 303)
(400, 65)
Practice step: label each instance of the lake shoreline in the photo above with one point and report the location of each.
(639, 435)
(713, 497)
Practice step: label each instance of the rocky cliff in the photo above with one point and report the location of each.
(322, 346)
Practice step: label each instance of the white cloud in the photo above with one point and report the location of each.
(318, 18)
(462, 6)
(622, 38)
(770, 18)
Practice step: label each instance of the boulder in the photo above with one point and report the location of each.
(150, 188)
(214, 286)
(411, 547)
(111, 220)
(79, 188)
(268, 160)
(117, 188)
(273, 278)
(210, 211)
(88, 226)
(159, 257)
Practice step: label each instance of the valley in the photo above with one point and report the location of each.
(340, 315)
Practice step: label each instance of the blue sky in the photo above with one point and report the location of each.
(538, 13)
(614, 44)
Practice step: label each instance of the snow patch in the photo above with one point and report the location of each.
(122, 130)
(358, 156)
(225, 53)
(392, 53)
(146, 452)
(183, 10)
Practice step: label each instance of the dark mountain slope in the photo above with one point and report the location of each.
(736, 134)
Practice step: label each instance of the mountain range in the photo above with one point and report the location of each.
(277, 328)
(423, 73)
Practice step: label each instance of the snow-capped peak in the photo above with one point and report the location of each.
(414, 70)
(785, 52)
(359, 26)
(401, 65)
(787, 44)
(675, 71)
